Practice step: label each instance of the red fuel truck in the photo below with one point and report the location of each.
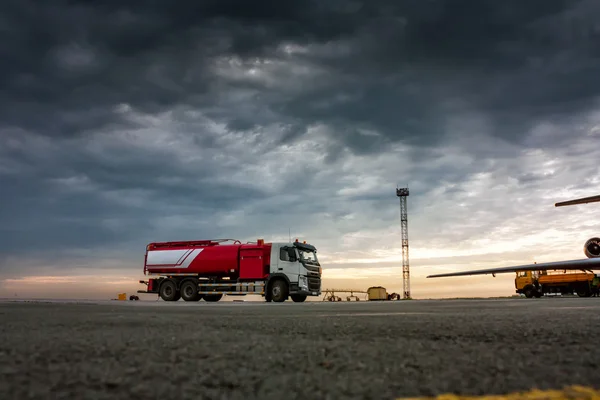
(209, 269)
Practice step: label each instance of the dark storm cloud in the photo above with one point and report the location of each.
(43, 215)
(72, 62)
(515, 63)
(80, 80)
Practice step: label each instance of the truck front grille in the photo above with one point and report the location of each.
(314, 284)
(312, 268)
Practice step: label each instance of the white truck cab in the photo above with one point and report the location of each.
(297, 265)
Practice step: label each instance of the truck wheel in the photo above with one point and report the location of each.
(213, 297)
(279, 291)
(189, 291)
(298, 298)
(168, 291)
(583, 292)
(529, 292)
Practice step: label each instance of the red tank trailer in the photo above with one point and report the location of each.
(210, 258)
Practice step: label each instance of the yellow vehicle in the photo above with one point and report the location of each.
(377, 293)
(538, 283)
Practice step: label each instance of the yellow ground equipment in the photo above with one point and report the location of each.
(123, 297)
(377, 293)
(538, 283)
(374, 293)
(330, 294)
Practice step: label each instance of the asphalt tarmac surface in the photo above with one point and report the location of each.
(357, 350)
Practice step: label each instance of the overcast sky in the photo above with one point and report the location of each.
(125, 124)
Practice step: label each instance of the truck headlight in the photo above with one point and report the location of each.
(302, 283)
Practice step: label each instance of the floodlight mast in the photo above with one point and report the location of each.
(402, 193)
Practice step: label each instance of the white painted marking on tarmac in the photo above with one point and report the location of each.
(371, 314)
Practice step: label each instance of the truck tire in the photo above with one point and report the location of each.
(278, 291)
(189, 291)
(528, 292)
(213, 297)
(583, 291)
(298, 298)
(168, 291)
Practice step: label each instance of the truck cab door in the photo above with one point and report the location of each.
(287, 262)
(519, 280)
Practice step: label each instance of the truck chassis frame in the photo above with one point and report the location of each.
(192, 288)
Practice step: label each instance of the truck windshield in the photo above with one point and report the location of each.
(308, 256)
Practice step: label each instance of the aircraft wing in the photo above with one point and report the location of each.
(584, 200)
(583, 264)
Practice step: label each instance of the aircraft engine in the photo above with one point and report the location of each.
(592, 248)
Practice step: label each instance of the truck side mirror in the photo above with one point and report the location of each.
(292, 254)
